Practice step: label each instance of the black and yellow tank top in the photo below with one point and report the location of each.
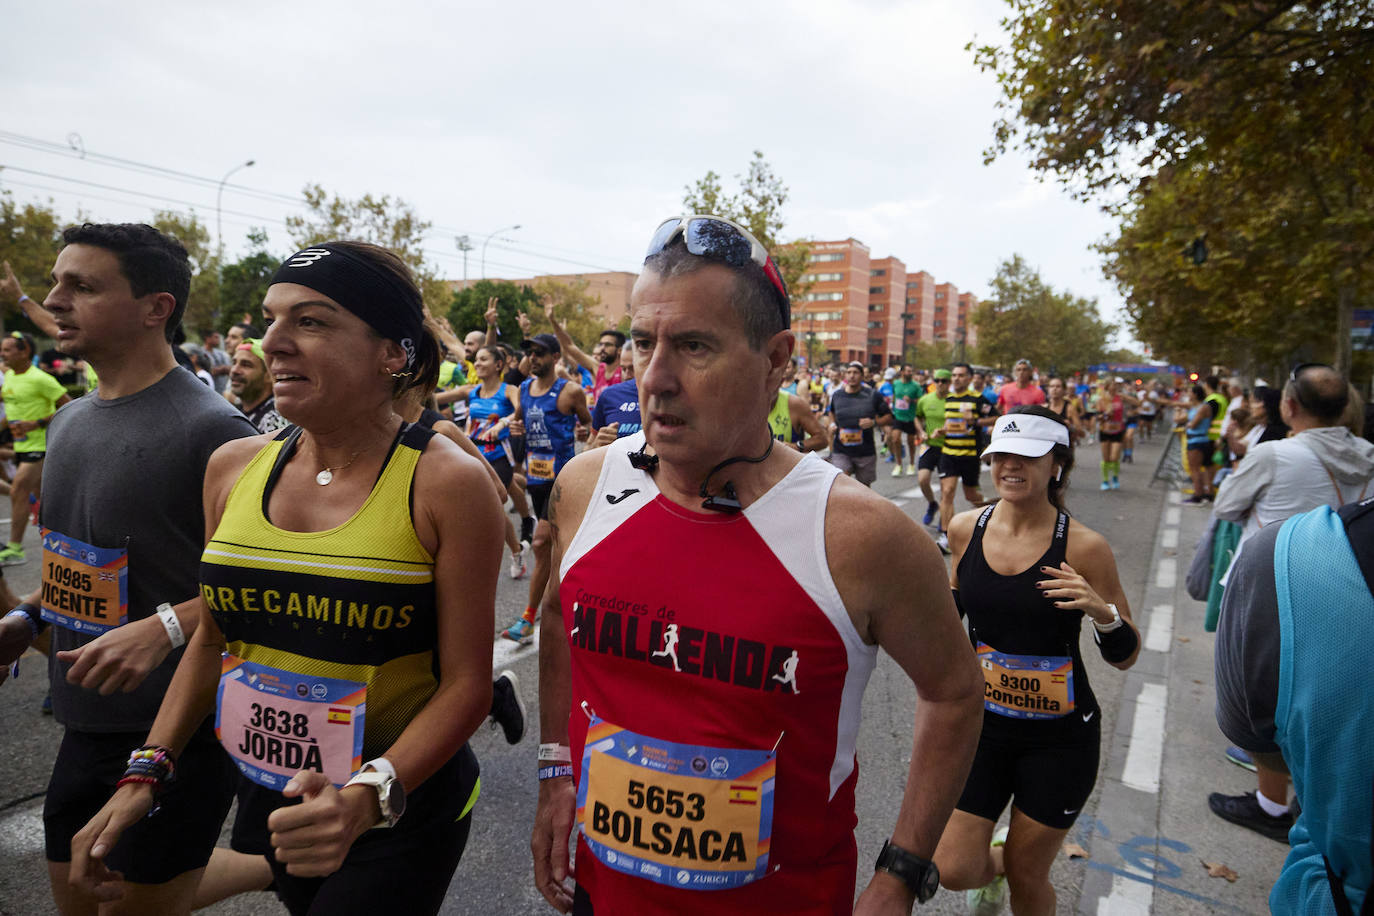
(354, 602)
(962, 412)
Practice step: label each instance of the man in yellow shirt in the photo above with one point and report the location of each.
(31, 398)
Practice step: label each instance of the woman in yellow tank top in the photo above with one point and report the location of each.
(345, 645)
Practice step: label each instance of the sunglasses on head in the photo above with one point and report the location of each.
(1303, 367)
(720, 239)
(1293, 380)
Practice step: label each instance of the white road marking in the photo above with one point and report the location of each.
(1147, 739)
(505, 651)
(1166, 574)
(900, 502)
(1168, 539)
(1172, 516)
(1127, 898)
(1175, 497)
(913, 493)
(1160, 637)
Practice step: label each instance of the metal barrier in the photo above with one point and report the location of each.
(1171, 468)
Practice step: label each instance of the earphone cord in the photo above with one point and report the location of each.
(728, 461)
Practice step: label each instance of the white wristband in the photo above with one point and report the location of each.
(556, 753)
(171, 625)
(381, 765)
(23, 297)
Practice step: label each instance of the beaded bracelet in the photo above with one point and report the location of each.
(555, 772)
(151, 764)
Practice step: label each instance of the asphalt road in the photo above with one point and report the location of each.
(1146, 847)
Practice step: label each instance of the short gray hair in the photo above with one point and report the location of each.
(756, 299)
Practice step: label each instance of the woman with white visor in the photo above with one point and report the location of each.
(1025, 574)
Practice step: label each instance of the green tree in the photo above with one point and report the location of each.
(386, 221)
(575, 308)
(468, 308)
(202, 306)
(757, 206)
(930, 354)
(1269, 97)
(1024, 317)
(1261, 296)
(30, 238)
(243, 284)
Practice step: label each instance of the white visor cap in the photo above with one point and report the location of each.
(1027, 435)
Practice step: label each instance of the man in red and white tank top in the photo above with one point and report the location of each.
(605, 367)
(711, 625)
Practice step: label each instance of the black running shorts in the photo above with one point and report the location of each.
(501, 465)
(402, 870)
(177, 839)
(1048, 782)
(965, 467)
(539, 499)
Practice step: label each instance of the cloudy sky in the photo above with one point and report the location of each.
(580, 122)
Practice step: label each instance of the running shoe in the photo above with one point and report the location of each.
(1116, 484)
(931, 509)
(522, 631)
(897, 469)
(507, 709)
(12, 556)
(1240, 757)
(910, 471)
(527, 529)
(517, 560)
(1245, 810)
(942, 542)
(1105, 486)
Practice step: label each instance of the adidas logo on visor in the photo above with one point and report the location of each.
(1010, 427)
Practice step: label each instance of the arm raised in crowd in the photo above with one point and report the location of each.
(570, 349)
(11, 290)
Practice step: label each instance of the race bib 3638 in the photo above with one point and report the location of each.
(275, 723)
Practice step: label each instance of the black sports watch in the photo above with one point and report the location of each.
(920, 875)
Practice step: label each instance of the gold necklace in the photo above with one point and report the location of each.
(325, 477)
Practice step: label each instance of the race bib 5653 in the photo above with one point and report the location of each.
(683, 815)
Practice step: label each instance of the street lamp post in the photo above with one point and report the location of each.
(488, 239)
(464, 245)
(219, 199)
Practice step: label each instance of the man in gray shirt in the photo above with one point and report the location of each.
(123, 527)
(220, 361)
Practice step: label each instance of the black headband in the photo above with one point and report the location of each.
(388, 307)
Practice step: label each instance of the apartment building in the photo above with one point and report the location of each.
(856, 306)
(831, 317)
